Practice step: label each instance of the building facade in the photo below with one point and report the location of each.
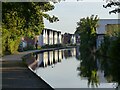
(49, 37)
(68, 38)
(101, 29)
(103, 22)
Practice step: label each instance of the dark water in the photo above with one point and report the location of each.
(60, 69)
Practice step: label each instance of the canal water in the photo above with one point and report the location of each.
(60, 69)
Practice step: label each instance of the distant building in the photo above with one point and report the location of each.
(68, 38)
(77, 39)
(73, 39)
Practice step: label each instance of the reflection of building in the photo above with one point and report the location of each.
(49, 37)
(55, 56)
(45, 58)
(49, 58)
(67, 53)
(73, 51)
(59, 55)
(70, 53)
(40, 55)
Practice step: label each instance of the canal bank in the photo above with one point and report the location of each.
(15, 74)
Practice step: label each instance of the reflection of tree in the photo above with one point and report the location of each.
(77, 53)
(111, 69)
(109, 54)
(67, 54)
(88, 66)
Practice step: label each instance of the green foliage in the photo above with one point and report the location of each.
(13, 45)
(29, 47)
(10, 41)
(87, 30)
(110, 60)
(109, 47)
(109, 53)
(88, 66)
(21, 19)
(27, 15)
(113, 4)
(5, 36)
(0, 41)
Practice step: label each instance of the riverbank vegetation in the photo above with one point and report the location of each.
(58, 46)
(104, 58)
(88, 66)
(109, 54)
(21, 19)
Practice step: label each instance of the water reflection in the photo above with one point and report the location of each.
(69, 53)
(34, 62)
(110, 67)
(50, 58)
(90, 69)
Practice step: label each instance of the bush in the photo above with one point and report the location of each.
(10, 42)
(5, 36)
(13, 45)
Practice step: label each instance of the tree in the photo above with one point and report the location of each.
(88, 66)
(109, 54)
(87, 29)
(23, 19)
(0, 33)
(111, 3)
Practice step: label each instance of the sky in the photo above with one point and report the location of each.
(70, 12)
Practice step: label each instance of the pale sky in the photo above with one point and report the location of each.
(70, 12)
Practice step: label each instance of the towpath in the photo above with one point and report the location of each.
(16, 75)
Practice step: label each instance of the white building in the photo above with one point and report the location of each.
(73, 39)
(102, 28)
(103, 22)
(49, 37)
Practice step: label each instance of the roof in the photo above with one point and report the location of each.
(52, 30)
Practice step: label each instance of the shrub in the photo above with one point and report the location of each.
(10, 42)
(13, 45)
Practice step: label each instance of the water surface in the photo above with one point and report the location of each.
(59, 69)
